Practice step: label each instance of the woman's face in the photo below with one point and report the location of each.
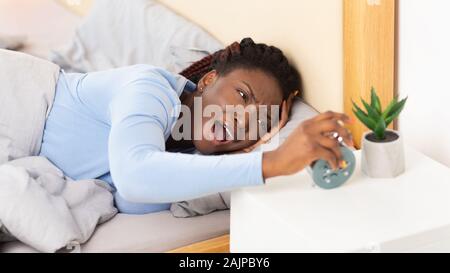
(230, 131)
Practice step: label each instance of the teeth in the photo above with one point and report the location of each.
(228, 135)
(227, 130)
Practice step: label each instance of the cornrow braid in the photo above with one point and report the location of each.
(249, 55)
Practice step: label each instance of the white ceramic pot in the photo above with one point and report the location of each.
(383, 159)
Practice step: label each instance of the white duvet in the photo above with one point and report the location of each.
(39, 205)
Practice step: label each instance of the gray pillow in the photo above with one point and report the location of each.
(122, 32)
(201, 206)
(5, 235)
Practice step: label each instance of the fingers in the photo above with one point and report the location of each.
(328, 156)
(332, 125)
(290, 101)
(265, 138)
(332, 145)
(333, 115)
(284, 114)
(286, 107)
(274, 130)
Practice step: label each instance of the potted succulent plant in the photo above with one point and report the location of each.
(382, 149)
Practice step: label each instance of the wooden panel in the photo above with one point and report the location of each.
(369, 54)
(216, 245)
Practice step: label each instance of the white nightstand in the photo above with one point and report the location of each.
(409, 213)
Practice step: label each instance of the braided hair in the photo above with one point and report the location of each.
(248, 55)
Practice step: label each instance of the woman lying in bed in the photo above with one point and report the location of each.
(128, 126)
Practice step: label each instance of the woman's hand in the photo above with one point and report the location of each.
(308, 143)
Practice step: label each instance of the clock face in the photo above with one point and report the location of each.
(326, 178)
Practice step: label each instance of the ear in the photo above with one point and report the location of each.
(207, 79)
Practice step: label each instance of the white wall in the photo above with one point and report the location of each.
(44, 23)
(309, 31)
(424, 75)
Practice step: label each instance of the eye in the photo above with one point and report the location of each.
(243, 94)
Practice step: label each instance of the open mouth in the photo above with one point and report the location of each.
(221, 133)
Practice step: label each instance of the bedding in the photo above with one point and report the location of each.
(31, 187)
(32, 23)
(11, 42)
(121, 32)
(155, 232)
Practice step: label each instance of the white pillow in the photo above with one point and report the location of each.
(300, 112)
(122, 32)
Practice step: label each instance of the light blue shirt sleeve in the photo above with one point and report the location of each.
(143, 172)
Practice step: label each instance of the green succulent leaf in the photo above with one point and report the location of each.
(395, 112)
(396, 107)
(375, 101)
(380, 129)
(365, 119)
(375, 118)
(358, 109)
(372, 112)
(389, 108)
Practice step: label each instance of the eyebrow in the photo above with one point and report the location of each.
(251, 90)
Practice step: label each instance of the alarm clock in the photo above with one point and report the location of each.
(325, 177)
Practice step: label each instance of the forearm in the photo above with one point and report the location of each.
(162, 177)
(270, 167)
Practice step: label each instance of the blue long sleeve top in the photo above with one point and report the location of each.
(113, 125)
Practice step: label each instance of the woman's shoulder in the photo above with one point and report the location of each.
(147, 73)
(137, 70)
(143, 80)
(146, 68)
(123, 75)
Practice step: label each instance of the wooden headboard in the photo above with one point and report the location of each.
(341, 47)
